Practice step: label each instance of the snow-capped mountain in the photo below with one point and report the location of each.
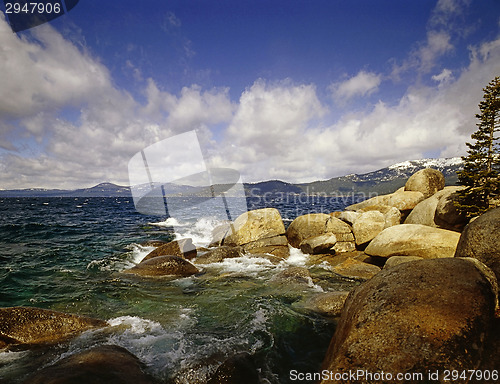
(384, 180)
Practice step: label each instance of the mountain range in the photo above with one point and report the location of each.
(385, 180)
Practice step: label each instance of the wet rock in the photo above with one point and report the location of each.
(414, 240)
(299, 275)
(239, 369)
(419, 316)
(306, 226)
(216, 255)
(319, 244)
(164, 266)
(396, 260)
(255, 225)
(277, 246)
(182, 248)
(328, 304)
(104, 364)
(367, 226)
(357, 270)
(480, 239)
(428, 181)
(29, 326)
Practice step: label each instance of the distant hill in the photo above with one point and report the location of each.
(385, 180)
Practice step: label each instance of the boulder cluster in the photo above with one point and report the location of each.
(427, 302)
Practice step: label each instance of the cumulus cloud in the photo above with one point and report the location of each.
(362, 84)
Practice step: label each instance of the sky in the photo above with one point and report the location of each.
(275, 89)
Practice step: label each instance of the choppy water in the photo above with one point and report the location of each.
(66, 254)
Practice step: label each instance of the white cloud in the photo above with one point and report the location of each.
(362, 84)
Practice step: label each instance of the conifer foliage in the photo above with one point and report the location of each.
(481, 171)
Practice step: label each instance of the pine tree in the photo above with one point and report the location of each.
(481, 171)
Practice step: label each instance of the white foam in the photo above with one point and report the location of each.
(243, 264)
(135, 325)
(297, 257)
(169, 222)
(133, 257)
(200, 231)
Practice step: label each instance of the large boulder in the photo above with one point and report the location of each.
(29, 326)
(164, 266)
(428, 181)
(438, 211)
(367, 226)
(327, 304)
(428, 315)
(306, 226)
(401, 199)
(102, 364)
(255, 225)
(183, 248)
(392, 215)
(481, 239)
(396, 260)
(414, 240)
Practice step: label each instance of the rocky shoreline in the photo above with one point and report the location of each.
(427, 302)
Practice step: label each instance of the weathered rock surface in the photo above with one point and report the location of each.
(438, 211)
(357, 270)
(164, 266)
(99, 365)
(367, 226)
(319, 244)
(396, 260)
(414, 317)
(306, 226)
(349, 216)
(239, 369)
(218, 254)
(428, 181)
(414, 240)
(481, 239)
(401, 199)
(277, 246)
(392, 215)
(340, 229)
(183, 248)
(255, 225)
(26, 325)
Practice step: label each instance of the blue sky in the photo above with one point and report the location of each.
(290, 90)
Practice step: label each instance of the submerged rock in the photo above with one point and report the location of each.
(28, 326)
(104, 364)
(164, 266)
(328, 304)
(414, 240)
(419, 316)
(183, 248)
(239, 369)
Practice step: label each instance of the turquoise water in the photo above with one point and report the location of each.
(67, 254)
